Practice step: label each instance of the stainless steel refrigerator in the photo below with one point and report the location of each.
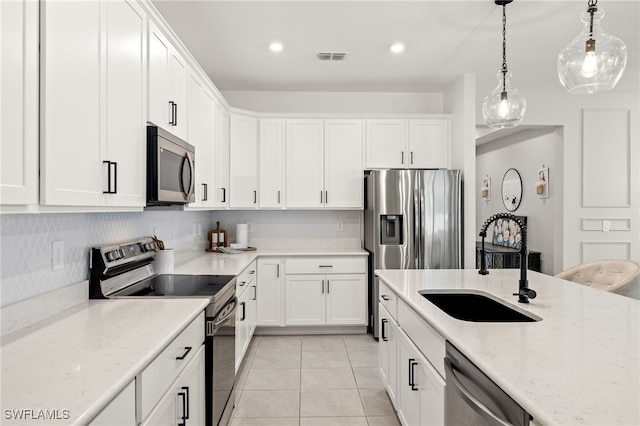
(412, 220)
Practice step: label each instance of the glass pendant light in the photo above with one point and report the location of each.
(505, 106)
(595, 60)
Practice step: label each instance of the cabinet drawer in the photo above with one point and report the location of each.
(429, 341)
(326, 265)
(388, 299)
(156, 378)
(246, 277)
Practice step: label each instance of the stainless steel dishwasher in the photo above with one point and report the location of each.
(473, 399)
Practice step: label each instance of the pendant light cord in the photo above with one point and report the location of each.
(504, 47)
(593, 8)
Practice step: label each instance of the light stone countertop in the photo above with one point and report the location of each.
(234, 264)
(579, 365)
(84, 357)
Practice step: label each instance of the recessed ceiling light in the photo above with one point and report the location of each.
(276, 46)
(397, 48)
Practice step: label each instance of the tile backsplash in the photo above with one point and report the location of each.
(26, 239)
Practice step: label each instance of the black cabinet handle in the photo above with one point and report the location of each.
(205, 196)
(244, 312)
(328, 288)
(278, 197)
(224, 195)
(111, 178)
(187, 349)
(277, 270)
(175, 114)
(384, 297)
(184, 409)
(186, 412)
(255, 196)
(255, 293)
(411, 157)
(412, 377)
(172, 113)
(383, 328)
(322, 288)
(326, 197)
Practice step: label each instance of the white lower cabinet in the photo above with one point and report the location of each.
(184, 402)
(326, 299)
(172, 386)
(120, 411)
(247, 293)
(420, 388)
(410, 362)
(270, 291)
(388, 353)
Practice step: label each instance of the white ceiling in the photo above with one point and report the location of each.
(443, 38)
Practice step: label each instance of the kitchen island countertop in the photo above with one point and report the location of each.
(579, 365)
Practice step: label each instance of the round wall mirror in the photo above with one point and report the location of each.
(511, 190)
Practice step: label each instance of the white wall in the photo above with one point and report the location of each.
(335, 102)
(526, 152)
(566, 111)
(459, 101)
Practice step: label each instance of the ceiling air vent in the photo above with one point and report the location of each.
(332, 56)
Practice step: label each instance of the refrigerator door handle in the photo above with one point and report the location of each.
(417, 227)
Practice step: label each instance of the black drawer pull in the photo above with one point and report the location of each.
(384, 297)
(383, 329)
(187, 349)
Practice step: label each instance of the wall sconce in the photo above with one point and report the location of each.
(485, 191)
(542, 185)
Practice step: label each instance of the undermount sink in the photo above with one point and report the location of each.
(475, 306)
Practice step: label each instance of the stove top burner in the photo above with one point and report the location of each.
(177, 285)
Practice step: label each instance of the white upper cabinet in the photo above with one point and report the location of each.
(305, 163)
(244, 161)
(428, 143)
(324, 163)
(407, 144)
(343, 175)
(221, 156)
(92, 104)
(19, 102)
(386, 144)
(201, 135)
(168, 76)
(272, 163)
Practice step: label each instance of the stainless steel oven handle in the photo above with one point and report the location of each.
(468, 397)
(229, 316)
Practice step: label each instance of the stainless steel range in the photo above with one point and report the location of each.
(126, 270)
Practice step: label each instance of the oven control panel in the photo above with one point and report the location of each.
(120, 254)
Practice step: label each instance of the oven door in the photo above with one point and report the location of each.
(220, 368)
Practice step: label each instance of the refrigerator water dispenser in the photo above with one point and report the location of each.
(391, 229)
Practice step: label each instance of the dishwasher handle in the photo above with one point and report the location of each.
(468, 397)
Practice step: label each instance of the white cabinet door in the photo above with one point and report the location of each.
(346, 299)
(19, 102)
(178, 77)
(200, 134)
(305, 163)
(386, 144)
(126, 136)
(304, 300)
(185, 395)
(420, 387)
(242, 324)
(429, 143)
(70, 104)
(344, 171)
(271, 163)
(388, 353)
(244, 161)
(120, 411)
(270, 292)
(159, 52)
(167, 84)
(221, 156)
(408, 393)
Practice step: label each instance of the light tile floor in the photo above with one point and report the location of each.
(327, 380)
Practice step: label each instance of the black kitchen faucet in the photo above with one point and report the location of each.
(524, 292)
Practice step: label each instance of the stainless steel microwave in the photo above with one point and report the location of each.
(170, 169)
